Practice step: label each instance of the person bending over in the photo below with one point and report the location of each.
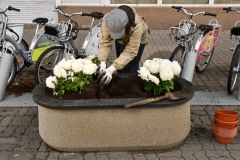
(130, 33)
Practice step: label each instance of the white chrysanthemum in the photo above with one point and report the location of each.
(89, 68)
(51, 82)
(87, 61)
(57, 71)
(67, 65)
(154, 67)
(144, 73)
(147, 63)
(159, 60)
(70, 74)
(60, 64)
(165, 65)
(167, 75)
(63, 72)
(176, 68)
(154, 79)
(77, 66)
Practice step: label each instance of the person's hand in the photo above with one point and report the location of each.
(102, 67)
(106, 76)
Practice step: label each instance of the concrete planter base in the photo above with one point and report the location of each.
(107, 126)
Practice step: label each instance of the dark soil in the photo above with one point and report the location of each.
(20, 86)
(121, 86)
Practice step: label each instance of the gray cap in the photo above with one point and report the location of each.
(116, 20)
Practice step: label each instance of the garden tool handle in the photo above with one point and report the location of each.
(146, 101)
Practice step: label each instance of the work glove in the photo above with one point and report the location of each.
(102, 67)
(106, 75)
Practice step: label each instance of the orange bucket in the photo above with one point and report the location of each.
(226, 115)
(224, 124)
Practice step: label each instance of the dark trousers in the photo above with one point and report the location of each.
(133, 65)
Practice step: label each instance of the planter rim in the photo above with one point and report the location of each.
(43, 100)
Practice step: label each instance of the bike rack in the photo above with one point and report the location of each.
(5, 67)
(238, 96)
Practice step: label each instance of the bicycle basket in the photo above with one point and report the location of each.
(51, 29)
(65, 30)
(177, 32)
(61, 31)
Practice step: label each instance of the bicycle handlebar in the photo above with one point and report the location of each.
(9, 8)
(210, 14)
(229, 9)
(180, 8)
(12, 8)
(76, 13)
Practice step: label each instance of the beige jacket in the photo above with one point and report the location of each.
(133, 38)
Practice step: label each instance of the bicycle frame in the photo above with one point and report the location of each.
(90, 45)
(194, 54)
(204, 45)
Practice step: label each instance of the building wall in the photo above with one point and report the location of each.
(158, 17)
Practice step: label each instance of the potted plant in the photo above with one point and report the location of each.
(96, 120)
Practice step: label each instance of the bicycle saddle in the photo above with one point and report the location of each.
(205, 27)
(40, 20)
(235, 31)
(97, 15)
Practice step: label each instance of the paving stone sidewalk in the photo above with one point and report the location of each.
(20, 139)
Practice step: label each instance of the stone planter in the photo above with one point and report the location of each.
(104, 125)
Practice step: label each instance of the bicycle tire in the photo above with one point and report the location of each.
(178, 55)
(24, 46)
(205, 61)
(233, 70)
(13, 71)
(44, 66)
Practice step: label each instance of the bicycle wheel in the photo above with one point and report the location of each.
(24, 46)
(202, 65)
(178, 55)
(233, 70)
(46, 62)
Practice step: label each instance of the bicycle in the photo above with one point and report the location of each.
(197, 56)
(12, 37)
(234, 68)
(66, 33)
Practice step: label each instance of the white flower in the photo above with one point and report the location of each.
(67, 65)
(89, 68)
(147, 63)
(144, 73)
(165, 65)
(154, 67)
(87, 61)
(154, 79)
(57, 71)
(60, 64)
(51, 81)
(167, 75)
(77, 65)
(176, 68)
(63, 72)
(159, 60)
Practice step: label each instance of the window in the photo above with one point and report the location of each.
(227, 1)
(185, 1)
(133, 1)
